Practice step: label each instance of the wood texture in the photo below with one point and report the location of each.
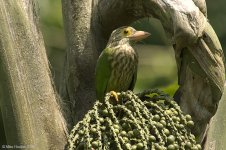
(216, 135)
(31, 115)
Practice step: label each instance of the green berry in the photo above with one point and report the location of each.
(175, 112)
(101, 120)
(163, 122)
(166, 131)
(93, 130)
(123, 133)
(168, 112)
(163, 118)
(176, 146)
(81, 132)
(103, 128)
(178, 119)
(199, 146)
(104, 112)
(181, 126)
(174, 118)
(126, 126)
(116, 126)
(171, 147)
(116, 131)
(134, 147)
(128, 146)
(159, 125)
(190, 123)
(188, 145)
(188, 117)
(140, 146)
(194, 148)
(156, 117)
(157, 146)
(95, 144)
(170, 139)
(152, 138)
(130, 134)
(125, 139)
(182, 137)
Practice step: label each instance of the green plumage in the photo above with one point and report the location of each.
(116, 68)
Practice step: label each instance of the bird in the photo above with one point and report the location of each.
(116, 68)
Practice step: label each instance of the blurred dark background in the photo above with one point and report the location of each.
(157, 67)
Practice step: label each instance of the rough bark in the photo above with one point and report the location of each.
(216, 135)
(201, 79)
(78, 80)
(31, 115)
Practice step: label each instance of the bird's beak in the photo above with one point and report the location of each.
(139, 35)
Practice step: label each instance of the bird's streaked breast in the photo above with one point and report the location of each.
(124, 63)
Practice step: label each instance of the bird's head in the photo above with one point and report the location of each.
(126, 34)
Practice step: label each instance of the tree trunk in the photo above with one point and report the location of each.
(31, 115)
(78, 80)
(216, 135)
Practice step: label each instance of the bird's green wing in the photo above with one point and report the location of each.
(134, 79)
(103, 73)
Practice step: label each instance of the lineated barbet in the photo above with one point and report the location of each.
(116, 68)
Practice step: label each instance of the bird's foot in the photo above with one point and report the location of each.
(115, 95)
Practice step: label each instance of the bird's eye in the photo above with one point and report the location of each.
(126, 31)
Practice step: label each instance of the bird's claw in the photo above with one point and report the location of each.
(115, 95)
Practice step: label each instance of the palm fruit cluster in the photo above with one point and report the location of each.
(149, 120)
